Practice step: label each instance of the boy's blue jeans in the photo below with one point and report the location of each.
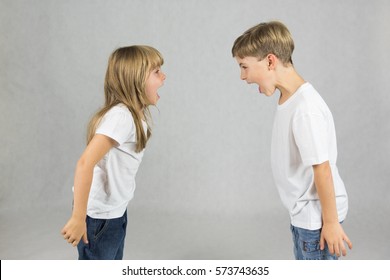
(307, 245)
(106, 239)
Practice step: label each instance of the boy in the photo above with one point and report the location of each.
(303, 152)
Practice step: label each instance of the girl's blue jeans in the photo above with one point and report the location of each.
(106, 239)
(307, 245)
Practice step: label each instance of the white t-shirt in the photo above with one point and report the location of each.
(304, 135)
(113, 181)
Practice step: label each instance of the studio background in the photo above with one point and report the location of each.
(205, 188)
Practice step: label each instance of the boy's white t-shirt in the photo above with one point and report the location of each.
(113, 182)
(304, 135)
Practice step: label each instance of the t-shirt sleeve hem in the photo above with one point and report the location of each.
(117, 141)
(315, 161)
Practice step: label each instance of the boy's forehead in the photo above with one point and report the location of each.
(246, 60)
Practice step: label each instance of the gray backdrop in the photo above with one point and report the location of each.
(204, 189)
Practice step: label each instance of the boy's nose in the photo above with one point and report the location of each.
(242, 75)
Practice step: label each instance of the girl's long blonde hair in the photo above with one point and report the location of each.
(127, 71)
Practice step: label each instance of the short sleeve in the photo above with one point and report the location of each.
(117, 125)
(311, 137)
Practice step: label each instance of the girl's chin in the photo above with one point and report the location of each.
(155, 100)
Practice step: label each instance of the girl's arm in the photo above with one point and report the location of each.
(332, 232)
(75, 228)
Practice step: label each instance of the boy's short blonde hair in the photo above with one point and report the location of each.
(265, 38)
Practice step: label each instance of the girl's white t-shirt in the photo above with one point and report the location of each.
(113, 183)
(304, 135)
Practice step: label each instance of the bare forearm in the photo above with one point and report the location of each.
(82, 186)
(325, 189)
(332, 232)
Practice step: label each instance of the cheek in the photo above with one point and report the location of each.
(265, 78)
(150, 87)
(147, 91)
(258, 79)
(153, 84)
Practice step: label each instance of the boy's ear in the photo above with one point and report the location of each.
(271, 60)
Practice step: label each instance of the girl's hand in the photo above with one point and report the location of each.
(74, 230)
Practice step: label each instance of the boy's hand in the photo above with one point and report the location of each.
(334, 236)
(74, 230)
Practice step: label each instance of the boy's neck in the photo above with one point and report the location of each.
(288, 83)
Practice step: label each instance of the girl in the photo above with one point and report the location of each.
(104, 180)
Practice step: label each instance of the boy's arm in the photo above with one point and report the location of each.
(75, 228)
(332, 232)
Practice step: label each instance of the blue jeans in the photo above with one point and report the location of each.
(307, 245)
(106, 239)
